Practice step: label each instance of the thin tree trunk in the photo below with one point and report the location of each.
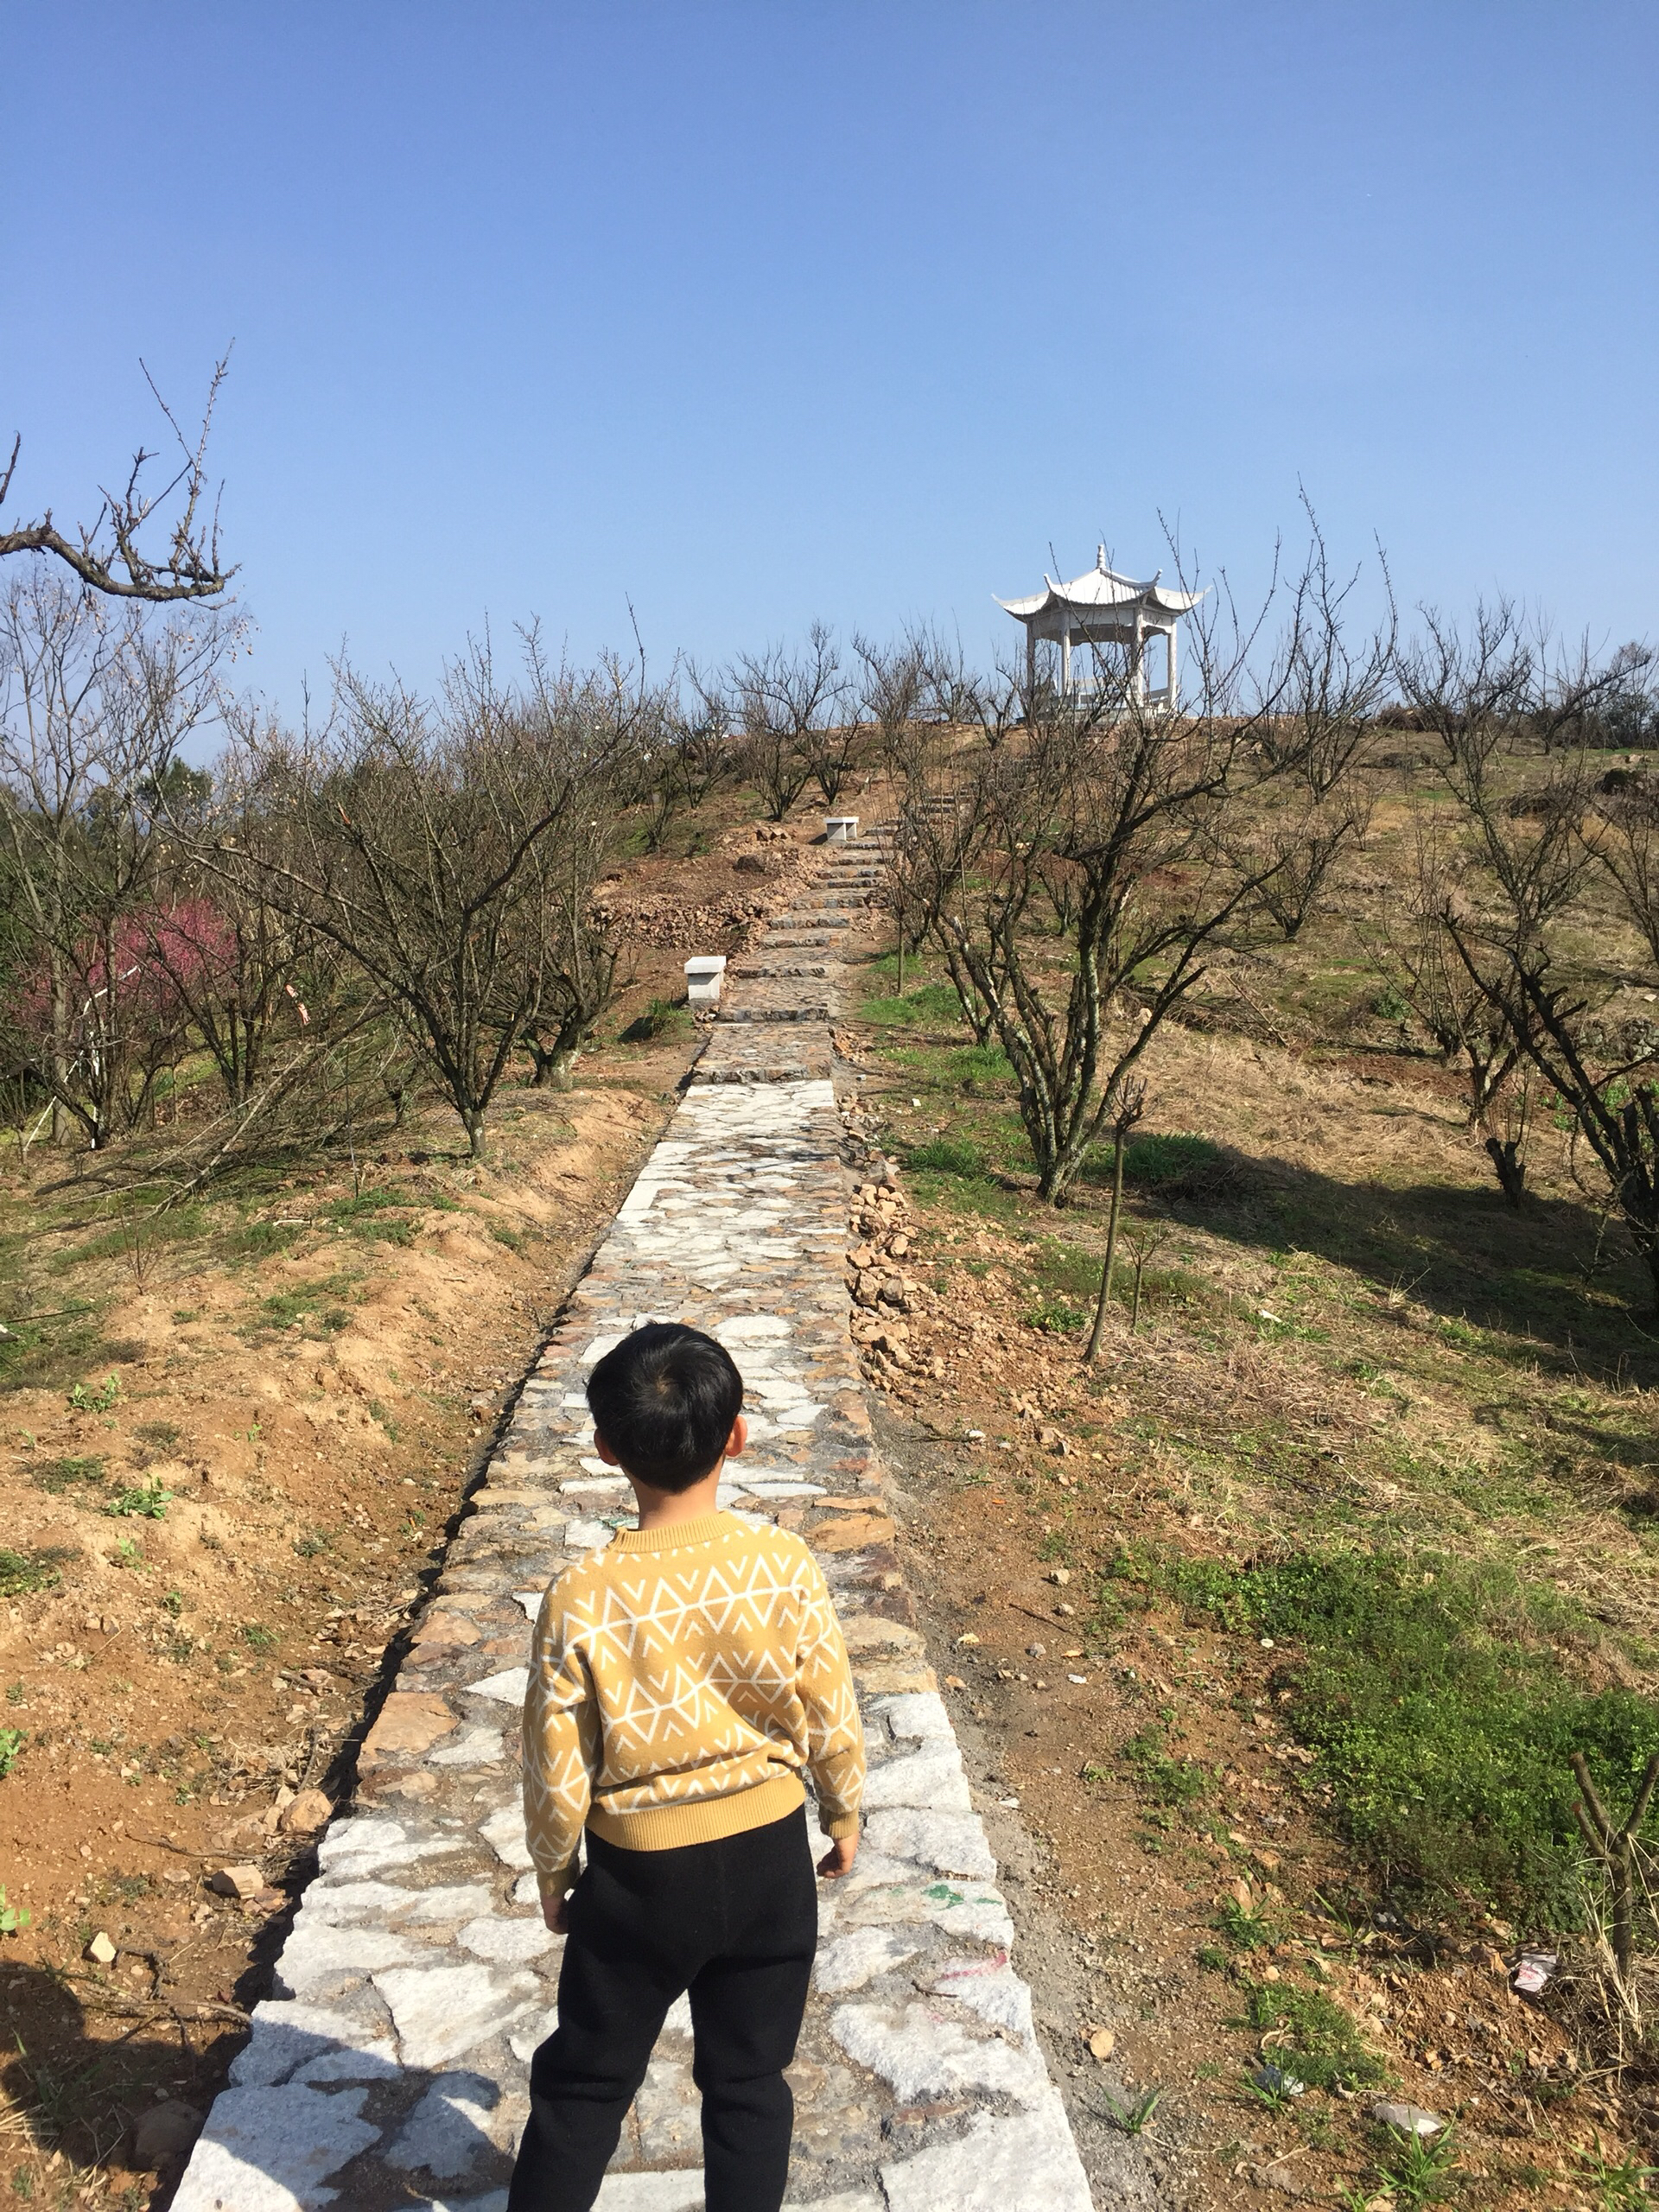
(1119, 1138)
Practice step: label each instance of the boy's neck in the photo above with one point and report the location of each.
(663, 1509)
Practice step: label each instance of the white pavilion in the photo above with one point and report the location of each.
(1100, 609)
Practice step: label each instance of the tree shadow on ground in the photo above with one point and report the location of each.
(1545, 1282)
(79, 2098)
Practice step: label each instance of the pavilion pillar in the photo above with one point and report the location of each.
(1031, 660)
(1138, 663)
(1066, 658)
(1172, 696)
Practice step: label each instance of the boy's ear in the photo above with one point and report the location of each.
(605, 1450)
(737, 1438)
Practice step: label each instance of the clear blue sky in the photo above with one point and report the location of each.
(757, 313)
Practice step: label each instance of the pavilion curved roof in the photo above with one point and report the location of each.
(1098, 588)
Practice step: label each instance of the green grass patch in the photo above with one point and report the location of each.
(946, 1156)
(1053, 1317)
(934, 1004)
(1437, 1700)
(1313, 2038)
(57, 1476)
(11, 1743)
(1160, 1775)
(379, 1214)
(1156, 1160)
(315, 1308)
(147, 1232)
(23, 1573)
(42, 1355)
(257, 1637)
(259, 1240)
(662, 1018)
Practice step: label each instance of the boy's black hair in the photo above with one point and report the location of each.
(665, 1399)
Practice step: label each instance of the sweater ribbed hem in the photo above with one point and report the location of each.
(706, 1529)
(666, 1827)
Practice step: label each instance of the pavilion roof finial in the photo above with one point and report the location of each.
(1100, 558)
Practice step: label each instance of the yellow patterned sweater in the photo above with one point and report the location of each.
(680, 1681)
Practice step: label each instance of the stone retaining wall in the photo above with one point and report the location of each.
(388, 2068)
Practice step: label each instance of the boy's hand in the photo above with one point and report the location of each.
(837, 1860)
(556, 1912)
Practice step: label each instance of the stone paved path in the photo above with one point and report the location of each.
(388, 2069)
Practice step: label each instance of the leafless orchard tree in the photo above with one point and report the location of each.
(1072, 876)
(94, 705)
(1319, 807)
(1415, 953)
(449, 848)
(792, 707)
(118, 554)
(254, 980)
(1551, 891)
(691, 754)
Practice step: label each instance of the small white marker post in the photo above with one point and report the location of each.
(702, 977)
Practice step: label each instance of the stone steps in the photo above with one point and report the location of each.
(388, 2068)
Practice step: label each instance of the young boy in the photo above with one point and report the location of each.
(680, 1681)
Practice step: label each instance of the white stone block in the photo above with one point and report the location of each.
(998, 2165)
(527, 2037)
(587, 1535)
(852, 1960)
(840, 829)
(440, 2012)
(508, 1942)
(954, 1842)
(455, 1902)
(447, 2133)
(319, 1961)
(921, 2056)
(989, 1988)
(931, 1778)
(286, 2035)
(273, 2149)
(672, 2192)
(337, 1904)
(916, 1712)
(507, 1687)
(505, 1833)
(473, 1747)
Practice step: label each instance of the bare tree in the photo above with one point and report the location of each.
(116, 555)
(691, 755)
(794, 722)
(249, 977)
(1417, 956)
(93, 706)
(445, 847)
(1499, 695)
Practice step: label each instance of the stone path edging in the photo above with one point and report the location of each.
(387, 2069)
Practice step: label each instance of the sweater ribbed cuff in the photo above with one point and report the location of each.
(847, 1825)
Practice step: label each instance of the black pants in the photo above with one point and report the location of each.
(735, 1922)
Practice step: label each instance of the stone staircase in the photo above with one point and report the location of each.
(388, 2068)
